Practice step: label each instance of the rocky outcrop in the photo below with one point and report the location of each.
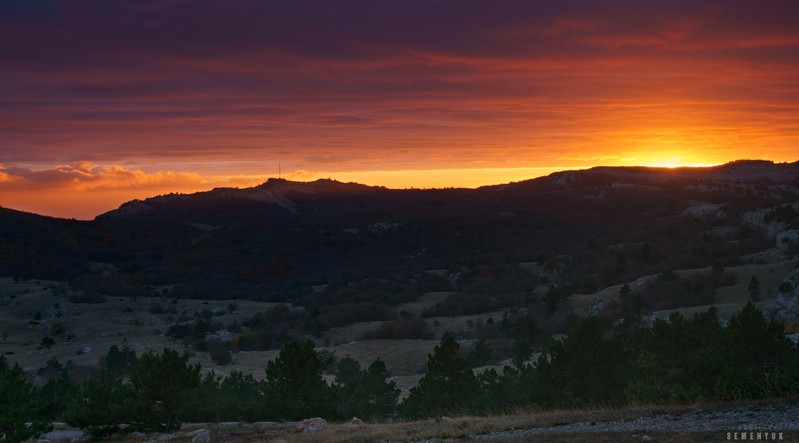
(200, 436)
(788, 240)
(704, 210)
(785, 307)
(761, 219)
(311, 425)
(61, 434)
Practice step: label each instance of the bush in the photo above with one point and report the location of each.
(406, 328)
(220, 353)
(87, 297)
(47, 342)
(120, 361)
(57, 327)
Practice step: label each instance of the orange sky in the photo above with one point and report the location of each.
(99, 105)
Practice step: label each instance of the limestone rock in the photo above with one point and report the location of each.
(788, 240)
(201, 436)
(355, 423)
(311, 425)
(785, 307)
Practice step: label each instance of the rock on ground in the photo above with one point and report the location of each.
(355, 423)
(201, 436)
(64, 435)
(315, 424)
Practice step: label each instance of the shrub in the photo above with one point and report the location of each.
(220, 353)
(120, 361)
(57, 327)
(406, 328)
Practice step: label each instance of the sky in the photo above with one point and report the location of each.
(103, 102)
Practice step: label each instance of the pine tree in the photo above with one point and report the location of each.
(20, 402)
(527, 337)
(120, 361)
(757, 350)
(364, 393)
(57, 394)
(203, 402)
(449, 387)
(160, 384)
(100, 404)
(480, 355)
(241, 397)
(584, 367)
(754, 289)
(294, 387)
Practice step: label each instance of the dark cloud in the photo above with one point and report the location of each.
(368, 80)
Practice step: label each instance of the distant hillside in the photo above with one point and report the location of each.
(324, 243)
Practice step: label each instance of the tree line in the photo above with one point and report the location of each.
(674, 361)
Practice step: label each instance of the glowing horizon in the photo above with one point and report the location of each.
(73, 199)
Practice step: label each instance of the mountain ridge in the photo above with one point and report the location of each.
(283, 192)
(340, 254)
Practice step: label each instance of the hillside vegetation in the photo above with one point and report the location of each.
(570, 290)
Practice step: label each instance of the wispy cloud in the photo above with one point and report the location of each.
(84, 176)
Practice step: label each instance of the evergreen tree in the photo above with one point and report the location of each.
(20, 402)
(583, 367)
(203, 403)
(364, 393)
(99, 406)
(757, 353)
(57, 394)
(514, 388)
(449, 387)
(665, 371)
(120, 361)
(527, 337)
(160, 384)
(241, 397)
(754, 289)
(480, 355)
(294, 387)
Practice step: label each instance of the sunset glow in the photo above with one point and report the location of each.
(105, 103)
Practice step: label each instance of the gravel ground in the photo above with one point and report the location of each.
(783, 419)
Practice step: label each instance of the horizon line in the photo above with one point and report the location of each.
(383, 179)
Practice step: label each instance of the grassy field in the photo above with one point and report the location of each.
(462, 428)
(29, 309)
(124, 321)
(96, 326)
(729, 299)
